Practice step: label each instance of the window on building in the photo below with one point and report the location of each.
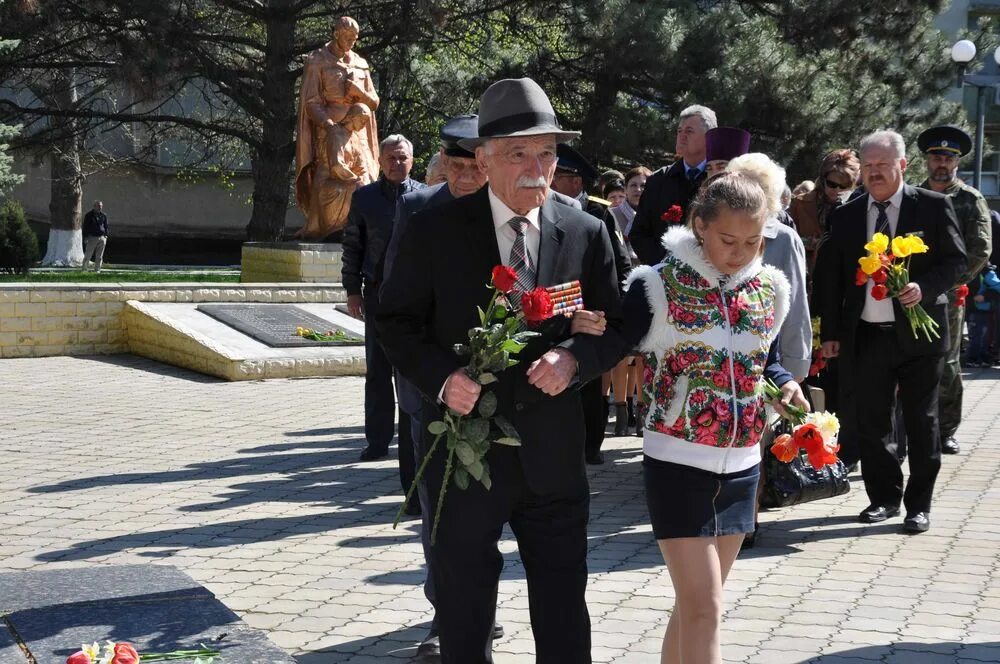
(991, 166)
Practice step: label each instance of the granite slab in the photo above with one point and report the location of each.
(275, 324)
(156, 607)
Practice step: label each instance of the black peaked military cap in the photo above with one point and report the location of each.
(571, 161)
(945, 139)
(456, 129)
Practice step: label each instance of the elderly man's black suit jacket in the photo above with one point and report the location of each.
(429, 301)
(922, 212)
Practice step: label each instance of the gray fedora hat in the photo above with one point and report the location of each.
(516, 107)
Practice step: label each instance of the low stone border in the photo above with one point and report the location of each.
(43, 319)
(310, 262)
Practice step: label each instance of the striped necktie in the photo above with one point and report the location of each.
(882, 222)
(519, 260)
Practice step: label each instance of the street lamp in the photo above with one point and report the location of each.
(962, 53)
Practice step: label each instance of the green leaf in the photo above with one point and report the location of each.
(482, 315)
(476, 470)
(487, 482)
(487, 404)
(507, 440)
(500, 312)
(476, 430)
(507, 428)
(437, 428)
(487, 378)
(523, 337)
(465, 453)
(461, 478)
(512, 346)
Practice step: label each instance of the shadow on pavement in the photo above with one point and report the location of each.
(131, 361)
(398, 646)
(945, 652)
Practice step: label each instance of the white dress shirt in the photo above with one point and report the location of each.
(874, 310)
(506, 235)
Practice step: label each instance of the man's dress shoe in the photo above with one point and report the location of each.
(497, 631)
(370, 454)
(919, 522)
(430, 646)
(950, 446)
(877, 513)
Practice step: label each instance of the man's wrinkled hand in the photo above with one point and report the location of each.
(356, 306)
(461, 392)
(910, 296)
(791, 394)
(831, 349)
(553, 371)
(588, 322)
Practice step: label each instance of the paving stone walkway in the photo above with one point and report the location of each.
(254, 489)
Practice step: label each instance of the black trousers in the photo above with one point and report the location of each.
(465, 563)
(427, 506)
(595, 415)
(878, 368)
(380, 400)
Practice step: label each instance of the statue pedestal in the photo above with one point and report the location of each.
(304, 262)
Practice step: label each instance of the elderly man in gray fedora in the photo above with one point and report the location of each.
(428, 305)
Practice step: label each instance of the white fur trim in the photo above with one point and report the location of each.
(782, 294)
(682, 243)
(657, 338)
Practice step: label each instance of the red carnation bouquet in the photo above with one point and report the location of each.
(125, 653)
(502, 333)
(673, 215)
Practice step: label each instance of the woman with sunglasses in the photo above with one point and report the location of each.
(838, 177)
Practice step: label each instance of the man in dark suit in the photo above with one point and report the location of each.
(673, 185)
(881, 356)
(428, 305)
(366, 237)
(462, 178)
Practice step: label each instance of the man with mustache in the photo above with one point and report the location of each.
(428, 304)
(882, 359)
(944, 147)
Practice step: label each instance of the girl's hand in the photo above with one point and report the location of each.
(588, 322)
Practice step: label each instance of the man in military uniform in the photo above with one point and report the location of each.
(573, 174)
(944, 146)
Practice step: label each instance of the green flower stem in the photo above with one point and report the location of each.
(448, 469)
(773, 393)
(416, 479)
(177, 654)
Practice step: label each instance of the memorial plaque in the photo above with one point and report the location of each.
(48, 614)
(276, 324)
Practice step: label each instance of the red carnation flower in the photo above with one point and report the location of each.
(880, 292)
(674, 214)
(961, 293)
(504, 278)
(125, 654)
(536, 305)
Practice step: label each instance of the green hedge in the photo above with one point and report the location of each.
(18, 244)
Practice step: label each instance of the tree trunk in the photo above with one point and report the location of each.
(65, 245)
(272, 160)
(595, 127)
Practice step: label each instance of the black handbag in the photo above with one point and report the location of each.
(797, 482)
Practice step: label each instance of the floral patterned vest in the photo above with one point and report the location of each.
(705, 354)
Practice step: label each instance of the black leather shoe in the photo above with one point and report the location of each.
(621, 420)
(919, 522)
(950, 446)
(370, 454)
(751, 538)
(497, 631)
(430, 646)
(595, 459)
(877, 513)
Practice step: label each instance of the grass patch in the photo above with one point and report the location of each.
(118, 276)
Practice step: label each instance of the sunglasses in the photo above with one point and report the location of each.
(832, 184)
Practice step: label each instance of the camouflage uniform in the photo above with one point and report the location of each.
(974, 216)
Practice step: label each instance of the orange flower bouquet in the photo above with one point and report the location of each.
(813, 433)
(890, 273)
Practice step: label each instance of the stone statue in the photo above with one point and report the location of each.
(337, 147)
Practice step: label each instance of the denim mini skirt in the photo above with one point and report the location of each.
(690, 502)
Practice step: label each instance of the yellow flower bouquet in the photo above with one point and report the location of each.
(890, 274)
